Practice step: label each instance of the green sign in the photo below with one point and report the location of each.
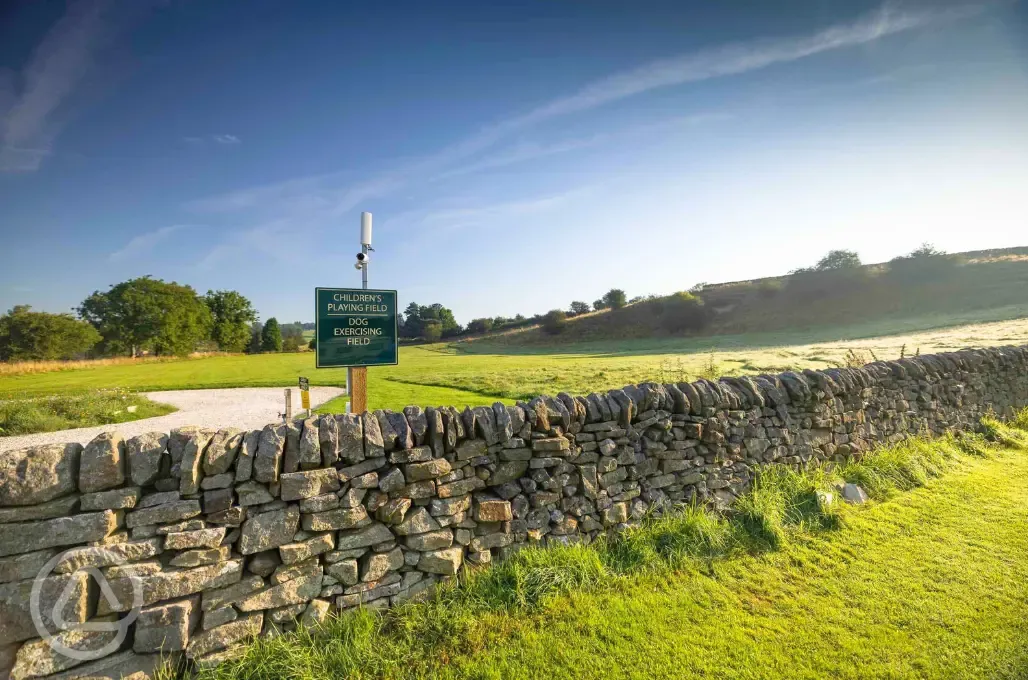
(355, 327)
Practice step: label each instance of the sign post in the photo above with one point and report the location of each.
(305, 396)
(356, 328)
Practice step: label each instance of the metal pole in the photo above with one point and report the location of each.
(357, 376)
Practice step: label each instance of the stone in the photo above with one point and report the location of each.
(253, 493)
(437, 467)
(393, 511)
(228, 595)
(38, 474)
(328, 501)
(460, 487)
(21, 567)
(162, 514)
(49, 533)
(391, 481)
(366, 481)
(298, 590)
(144, 454)
(471, 448)
(269, 530)
(445, 562)
(331, 520)
(222, 450)
(377, 565)
(166, 627)
(449, 506)
(203, 538)
(852, 493)
(417, 522)
(345, 571)
(508, 472)
(200, 556)
(107, 555)
(493, 511)
(245, 456)
(115, 499)
(267, 464)
(353, 438)
(370, 535)
(219, 616)
(316, 613)
(432, 540)
(74, 592)
(291, 451)
(264, 563)
(191, 465)
(170, 585)
(41, 657)
(310, 445)
(217, 500)
(160, 498)
(58, 507)
(102, 465)
(297, 485)
(121, 666)
(288, 572)
(217, 639)
(291, 553)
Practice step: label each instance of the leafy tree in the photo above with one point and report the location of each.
(599, 304)
(231, 316)
(417, 316)
(683, 312)
(254, 346)
(148, 314)
(554, 321)
(615, 298)
(37, 336)
(432, 330)
(836, 260)
(271, 336)
(578, 307)
(480, 325)
(292, 336)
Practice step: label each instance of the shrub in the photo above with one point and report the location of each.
(615, 298)
(37, 336)
(432, 331)
(554, 321)
(683, 312)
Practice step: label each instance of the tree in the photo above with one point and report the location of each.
(432, 330)
(292, 336)
(37, 336)
(148, 314)
(577, 307)
(271, 336)
(554, 321)
(599, 305)
(615, 298)
(683, 312)
(254, 347)
(416, 316)
(836, 260)
(231, 316)
(480, 325)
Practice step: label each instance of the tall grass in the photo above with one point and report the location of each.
(100, 407)
(29, 367)
(781, 506)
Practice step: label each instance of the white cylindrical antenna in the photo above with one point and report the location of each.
(365, 229)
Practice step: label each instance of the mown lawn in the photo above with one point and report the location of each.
(930, 580)
(480, 373)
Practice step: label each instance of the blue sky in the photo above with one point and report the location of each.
(516, 156)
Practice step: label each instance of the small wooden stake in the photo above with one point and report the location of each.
(358, 389)
(289, 405)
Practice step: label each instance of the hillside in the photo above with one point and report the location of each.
(932, 291)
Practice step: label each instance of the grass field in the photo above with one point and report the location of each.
(928, 581)
(66, 411)
(480, 372)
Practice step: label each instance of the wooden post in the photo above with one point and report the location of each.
(359, 389)
(289, 405)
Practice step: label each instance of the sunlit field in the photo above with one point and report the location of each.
(482, 372)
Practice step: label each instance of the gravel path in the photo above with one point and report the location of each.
(247, 408)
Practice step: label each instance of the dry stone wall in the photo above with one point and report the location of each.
(216, 536)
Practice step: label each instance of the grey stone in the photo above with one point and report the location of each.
(852, 493)
(417, 522)
(75, 592)
(144, 454)
(170, 585)
(41, 657)
(446, 561)
(269, 530)
(297, 485)
(374, 443)
(364, 537)
(228, 595)
(115, 499)
(20, 567)
(191, 465)
(331, 520)
(200, 556)
(217, 639)
(377, 565)
(203, 538)
(298, 590)
(38, 474)
(48, 533)
(58, 507)
(432, 540)
(310, 446)
(222, 451)
(253, 493)
(162, 514)
(102, 465)
(166, 627)
(219, 616)
(108, 555)
(291, 553)
(267, 464)
(245, 456)
(437, 467)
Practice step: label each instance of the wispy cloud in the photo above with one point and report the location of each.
(225, 139)
(217, 139)
(143, 244)
(707, 64)
(57, 67)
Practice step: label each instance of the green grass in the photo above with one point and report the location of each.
(478, 373)
(48, 414)
(929, 583)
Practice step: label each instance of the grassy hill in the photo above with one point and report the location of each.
(988, 285)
